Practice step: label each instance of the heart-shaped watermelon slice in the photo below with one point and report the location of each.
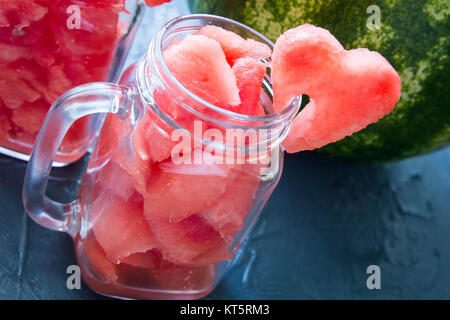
(348, 89)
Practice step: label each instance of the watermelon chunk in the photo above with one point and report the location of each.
(133, 157)
(21, 13)
(57, 83)
(9, 52)
(119, 227)
(154, 3)
(152, 138)
(249, 73)
(234, 46)
(16, 92)
(107, 143)
(170, 276)
(115, 179)
(149, 259)
(176, 191)
(5, 123)
(98, 259)
(348, 89)
(199, 64)
(173, 42)
(190, 241)
(228, 215)
(98, 25)
(30, 116)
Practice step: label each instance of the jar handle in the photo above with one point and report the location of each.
(76, 103)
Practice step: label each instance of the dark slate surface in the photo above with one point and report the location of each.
(325, 223)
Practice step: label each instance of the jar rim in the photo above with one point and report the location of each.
(156, 50)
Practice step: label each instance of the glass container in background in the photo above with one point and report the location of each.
(48, 47)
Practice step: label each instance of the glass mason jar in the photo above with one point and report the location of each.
(167, 196)
(48, 47)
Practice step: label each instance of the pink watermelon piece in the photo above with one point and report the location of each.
(348, 89)
(16, 92)
(152, 138)
(107, 142)
(115, 179)
(10, 53)
(190, 241)
(154, 3)
(228, 215)
(149, 259)
(234, 46)
(176, 277)
(199, 64)
(58, 82)
(133, 158)
(5, 123)
(30, 116)
(21, 13)
(176, 191)
(249, 73)
(98, 259)
(173, 42)
(98, 26)
(120, 227)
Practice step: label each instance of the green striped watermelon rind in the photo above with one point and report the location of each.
(413, 36)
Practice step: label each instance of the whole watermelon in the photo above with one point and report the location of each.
(413, 35)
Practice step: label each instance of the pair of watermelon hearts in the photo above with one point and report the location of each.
(348, 90)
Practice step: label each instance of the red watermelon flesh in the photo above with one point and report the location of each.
(14, 92)
(249, 74)
(120, 227)
(5, 123)
(228, 215)
(150, 259)
(152, 138)
(97, 258)
(30, 115)
(170, 276)
(79, 41)
(348, 89)
(154, 3)
(234, 46)
(107, 143)
(176, 191)
(45, 58)
(10, 52)
(21, 13)
(173, 42)
(199, 64)
(115, 179)
(152, 271)
(190, 241)
(132, 153)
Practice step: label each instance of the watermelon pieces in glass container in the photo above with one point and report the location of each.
(164, 225)
(46, 48)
